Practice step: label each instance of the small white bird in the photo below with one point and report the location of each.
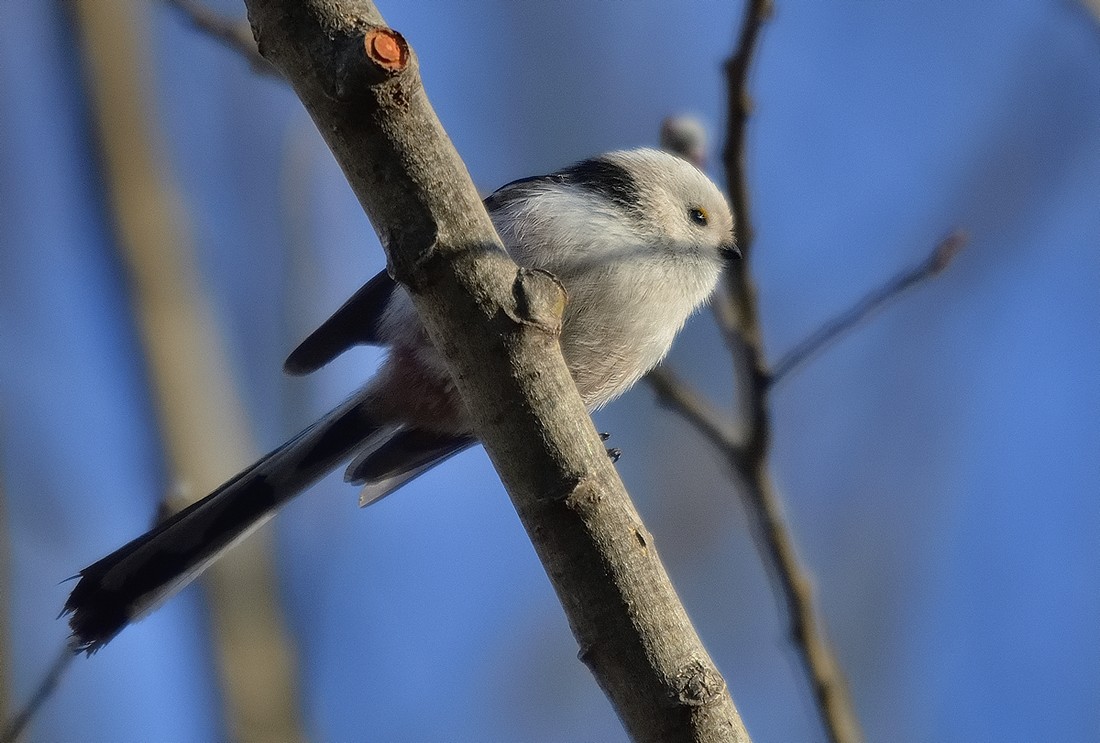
(638, 238)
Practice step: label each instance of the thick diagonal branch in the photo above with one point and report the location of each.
(497, 328)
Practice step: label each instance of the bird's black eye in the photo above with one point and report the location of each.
(698, 216)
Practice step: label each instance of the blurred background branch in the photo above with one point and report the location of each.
(1093, 7)
(203, 422)
(12, 728)
(938, 260)
(234, 33)
(6, 665)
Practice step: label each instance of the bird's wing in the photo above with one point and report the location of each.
(355, 323)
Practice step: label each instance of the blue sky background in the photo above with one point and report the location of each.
(940, 465)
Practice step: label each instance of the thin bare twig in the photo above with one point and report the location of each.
(14, 727)
(738, 316)
(780, 555)
(939, 259)
(740, 102)
(674, 393)
(233, 33)
(750, 464)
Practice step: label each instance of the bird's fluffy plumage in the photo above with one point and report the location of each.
(637, 238)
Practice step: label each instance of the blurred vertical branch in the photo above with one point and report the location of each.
(202, 420)
(5, 611)
(1093, 6)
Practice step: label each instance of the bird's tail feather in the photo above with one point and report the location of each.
(137, 577)
(384, 467)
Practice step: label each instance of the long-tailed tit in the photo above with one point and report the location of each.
(638, 238)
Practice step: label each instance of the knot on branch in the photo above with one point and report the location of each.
(574, 490)
(360, 62)
(699, 684)
(387, 50)
(539, 300)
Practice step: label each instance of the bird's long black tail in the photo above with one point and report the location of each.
(136, 578)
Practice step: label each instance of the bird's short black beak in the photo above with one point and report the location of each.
(729, 251)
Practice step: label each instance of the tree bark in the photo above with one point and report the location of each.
(497, 326)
